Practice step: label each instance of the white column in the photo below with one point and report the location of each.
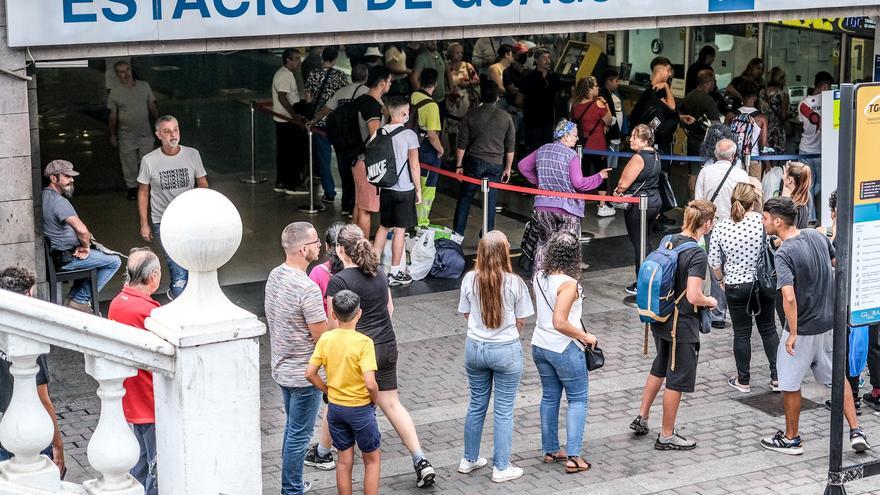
(113, 449)
(208, 412)
(26, 428)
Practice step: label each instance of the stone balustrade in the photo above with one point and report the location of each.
(204, 354)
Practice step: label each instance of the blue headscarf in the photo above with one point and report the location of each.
(567, 128)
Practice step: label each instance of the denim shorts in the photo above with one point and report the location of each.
(350, 425)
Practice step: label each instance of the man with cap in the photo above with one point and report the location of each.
(69, 239)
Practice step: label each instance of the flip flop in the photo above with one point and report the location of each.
(550, 458)
(572, 466)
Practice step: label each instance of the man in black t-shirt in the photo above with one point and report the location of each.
(21, 281)
(804, 277)
(699, 105)
(537, 97)
(677, 340)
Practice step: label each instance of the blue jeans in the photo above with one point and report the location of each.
(479, 169)
(322, 152)
(301, 405)
(566, 370)
(428, 155)
(145, 469)
(5, 455)
(488, 363)
(106, 265)
(179, 275)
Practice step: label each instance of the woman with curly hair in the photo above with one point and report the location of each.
(363, 275)
(715, 133)
(558, 350)
(495, 303)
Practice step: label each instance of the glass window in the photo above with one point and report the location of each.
(735, 45)
(861, 60)
(802, 53)
(645, 44)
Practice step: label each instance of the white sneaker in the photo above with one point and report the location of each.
(606, 211)
(307, 485)
(511, 473)
(466, 466)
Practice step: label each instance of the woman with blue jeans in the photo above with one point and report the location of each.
(558, 350)
(495, 303)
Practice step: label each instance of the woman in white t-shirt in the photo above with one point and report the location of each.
(493, 352)
(558, 350)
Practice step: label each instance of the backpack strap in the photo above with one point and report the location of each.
(675, 327)
(718, 190)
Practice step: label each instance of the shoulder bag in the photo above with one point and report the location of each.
(593, 356)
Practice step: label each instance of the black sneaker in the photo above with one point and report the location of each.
(424, 474)
(324, 463)
(870, 400)
(663, 219)
(858, 406)
(400, 279)
(779, 443)
(858, 441)
(639, 425)
(279, 187)
(631, 289)
(327, 199)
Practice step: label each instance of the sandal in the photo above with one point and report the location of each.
(573, 466)
(551, 458)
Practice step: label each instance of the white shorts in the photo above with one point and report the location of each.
(811, 352)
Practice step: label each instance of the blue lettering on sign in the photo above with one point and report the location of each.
(130, 11)
(379, 4)
(190, 5)
(231, 13)
(417, 4)
(296, 9)
(341, 5)
(730, 5)
(69, 16)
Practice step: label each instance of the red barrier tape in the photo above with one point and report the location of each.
(264, 107)
(531, 190)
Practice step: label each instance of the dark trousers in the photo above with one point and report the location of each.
(537, 136)
(632, 218)
(478, 169)
(291, 154)
(346, 176)
(740, 301)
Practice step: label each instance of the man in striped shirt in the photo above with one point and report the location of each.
(296, 319)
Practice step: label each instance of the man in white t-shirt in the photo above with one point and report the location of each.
(810, 116)
(131, 104)
(397, 204)
(166, 173)
(291, 139)
(715, 183)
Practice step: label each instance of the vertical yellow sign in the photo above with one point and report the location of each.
(865, 261)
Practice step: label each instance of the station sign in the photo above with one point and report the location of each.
(865, 264)
(66, 22)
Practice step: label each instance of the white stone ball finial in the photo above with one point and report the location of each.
(201, 230)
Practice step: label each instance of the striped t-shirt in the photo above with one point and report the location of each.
(293, 301)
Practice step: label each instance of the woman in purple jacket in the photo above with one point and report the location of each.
(557, 167)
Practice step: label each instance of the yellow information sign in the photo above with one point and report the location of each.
(865, 293)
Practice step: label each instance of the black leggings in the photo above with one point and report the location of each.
(632, 217)
(738, 301)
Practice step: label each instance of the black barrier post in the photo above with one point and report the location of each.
(841, 288)
(252, 179)
(311, 208)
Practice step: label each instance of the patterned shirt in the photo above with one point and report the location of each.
(335, 80)
(736, 247)
(293, 302)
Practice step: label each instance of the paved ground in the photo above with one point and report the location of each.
(433, 386)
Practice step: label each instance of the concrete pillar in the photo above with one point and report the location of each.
(16, 187)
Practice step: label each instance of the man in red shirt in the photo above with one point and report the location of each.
(131, 307)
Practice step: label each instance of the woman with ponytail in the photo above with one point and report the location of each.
(363, 275)
(798, 181)
(495, 303)
(734, 252)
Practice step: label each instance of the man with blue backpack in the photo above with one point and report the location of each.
(670, 298)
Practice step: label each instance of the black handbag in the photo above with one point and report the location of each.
(765, 271)
(594, 356)
(529, 244)
(667, 195)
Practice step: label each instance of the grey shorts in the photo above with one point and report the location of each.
(811, 352)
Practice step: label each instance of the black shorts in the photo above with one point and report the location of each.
(397, 209)
(386, 362)
(684, 378)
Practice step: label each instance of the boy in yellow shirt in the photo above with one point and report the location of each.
(349, 360)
